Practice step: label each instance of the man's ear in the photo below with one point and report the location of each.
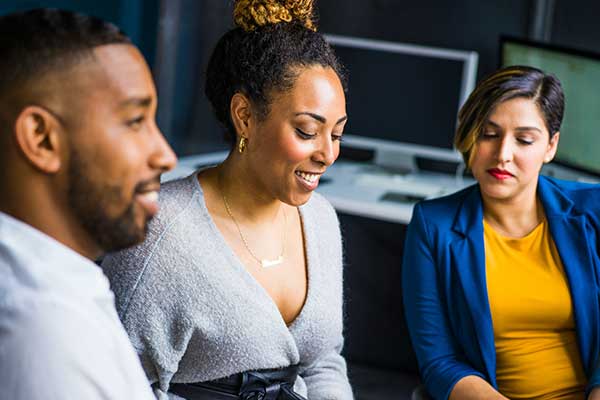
(38, 138)
(241, 112)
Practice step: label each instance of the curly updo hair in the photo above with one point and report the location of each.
(263, 55)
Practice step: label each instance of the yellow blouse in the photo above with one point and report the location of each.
(534, 331)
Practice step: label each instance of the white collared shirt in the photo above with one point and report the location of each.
(60, 336)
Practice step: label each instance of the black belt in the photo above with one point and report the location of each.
(272, 384)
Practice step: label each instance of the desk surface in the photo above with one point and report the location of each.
(358, 188)
(371, 191)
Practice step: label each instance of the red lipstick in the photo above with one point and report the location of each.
(499, 174)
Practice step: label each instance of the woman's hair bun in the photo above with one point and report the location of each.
(252, 14)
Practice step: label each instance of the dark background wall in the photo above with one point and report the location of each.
(190, 28)
(461, 24)
(576, 23)
(466, 24)
(138, 18)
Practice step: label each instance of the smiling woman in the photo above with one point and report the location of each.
(238, 288)
(500, 280)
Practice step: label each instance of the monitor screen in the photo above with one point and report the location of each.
(404, 93)
(579, 74)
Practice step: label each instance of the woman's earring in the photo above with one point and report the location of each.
(242, 145)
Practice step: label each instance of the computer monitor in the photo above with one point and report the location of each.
(404, 97)
(579, 73)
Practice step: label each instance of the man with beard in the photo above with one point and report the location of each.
(80, 161)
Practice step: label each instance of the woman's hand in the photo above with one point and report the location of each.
(594, 394)
(474, 388)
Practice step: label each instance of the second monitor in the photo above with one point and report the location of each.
(579, 73)
(403, 99)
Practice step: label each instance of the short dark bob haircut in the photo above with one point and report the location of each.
(505, 84)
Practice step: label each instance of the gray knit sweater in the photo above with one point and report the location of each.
(194, 313)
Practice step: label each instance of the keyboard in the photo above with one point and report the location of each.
(396, 197)
(408, 185)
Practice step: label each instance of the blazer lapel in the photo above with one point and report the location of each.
(568, 229)
(468, 263)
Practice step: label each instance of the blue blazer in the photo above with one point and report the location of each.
(444, 281)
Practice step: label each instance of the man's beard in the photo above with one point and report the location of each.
(90, 203)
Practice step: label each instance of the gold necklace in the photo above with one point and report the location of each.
(264, 262)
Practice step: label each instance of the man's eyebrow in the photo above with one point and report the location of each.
(137, 102)
(320, 118)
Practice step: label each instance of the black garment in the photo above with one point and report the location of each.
(273, 384)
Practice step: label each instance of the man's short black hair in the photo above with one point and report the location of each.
(38, 42)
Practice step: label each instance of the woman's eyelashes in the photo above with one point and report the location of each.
(307, 136)
(336, 137)
(525, 141)
(490, 135)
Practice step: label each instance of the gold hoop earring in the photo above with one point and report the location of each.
(242, 145)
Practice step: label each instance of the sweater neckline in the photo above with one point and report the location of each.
(309, 250)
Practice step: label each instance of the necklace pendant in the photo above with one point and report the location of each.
(271, 263)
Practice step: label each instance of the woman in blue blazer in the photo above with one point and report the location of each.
(508, 128)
